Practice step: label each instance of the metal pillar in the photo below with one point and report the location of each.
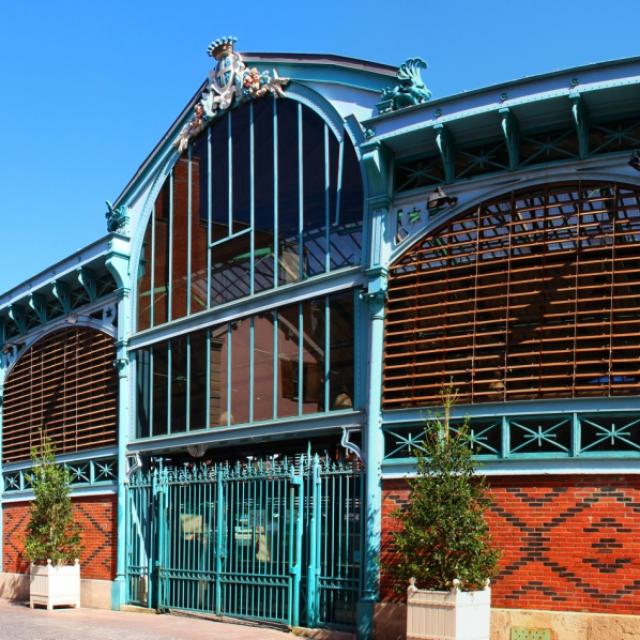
(118, 265)
(377, 165)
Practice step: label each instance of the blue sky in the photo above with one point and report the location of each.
(88, 88)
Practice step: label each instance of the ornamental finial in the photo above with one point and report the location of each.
(221, 47)
(231, 83)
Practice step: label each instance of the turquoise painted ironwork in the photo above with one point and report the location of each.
(83, 473)
(568, 435)
(410, 89)
(270, 540)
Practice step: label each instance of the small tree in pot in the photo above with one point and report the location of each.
(53, 538)
(444, 545)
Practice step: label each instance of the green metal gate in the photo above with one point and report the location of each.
(272, 541)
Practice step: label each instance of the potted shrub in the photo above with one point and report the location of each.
(443, 547)
(53, 538)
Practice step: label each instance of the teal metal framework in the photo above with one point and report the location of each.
(270, 540)
(554, 435)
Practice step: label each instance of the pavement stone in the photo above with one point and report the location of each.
(18, 622)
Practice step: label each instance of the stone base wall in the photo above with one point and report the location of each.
(95, 594)
(390, 623)
(97, 518)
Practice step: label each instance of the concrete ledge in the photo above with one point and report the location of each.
(390, 623)
(94, 594)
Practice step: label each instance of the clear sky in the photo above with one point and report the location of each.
(88, 87)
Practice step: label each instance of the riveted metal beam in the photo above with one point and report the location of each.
(62, 294)
(87, 278)
(446, 147)
(581, 121)
(510, 130)
(38, 303)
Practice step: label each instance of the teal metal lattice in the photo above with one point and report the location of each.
(571, 435)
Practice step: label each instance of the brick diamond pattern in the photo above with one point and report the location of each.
(97, 518)
(568, 543)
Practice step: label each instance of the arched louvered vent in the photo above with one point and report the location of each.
(532, 295)
(64, 386)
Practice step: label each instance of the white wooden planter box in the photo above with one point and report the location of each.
(448, 615)
(53, 585)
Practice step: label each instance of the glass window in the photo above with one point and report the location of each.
(179, 385)
(267, 196)
(263, 113)
(288, 357)
(263, 328)
(160, 372)
(231, 269)
(314, 196)
(199, 217)
(313, 355)
(341, 381)
(179, 239)
(237, 371)
(143, 393)
(240, 370)
(144, 282)
(161, 256)
(218, 365)
(288, 193)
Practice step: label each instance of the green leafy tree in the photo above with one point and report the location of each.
(51, 533)
(443, 534)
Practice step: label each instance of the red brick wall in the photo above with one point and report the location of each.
(569, 543)
(97, 517)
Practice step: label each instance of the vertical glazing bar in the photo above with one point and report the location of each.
(189, 235)
(300, 197)
(276, 360)
(188, 386)
(169, 374)
(229, 372)
(327, 205)
(209, 216)
(230, 228)
(252, 201)
(327, 353)
(208, 378)
(300, 359)
(275, 196)
(339, 185)
(251, 365)
(153, 268)
(170, 258)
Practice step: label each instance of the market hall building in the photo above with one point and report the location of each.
(237, 374)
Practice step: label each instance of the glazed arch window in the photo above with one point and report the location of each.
(265, 197)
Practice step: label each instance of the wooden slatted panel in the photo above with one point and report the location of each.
(532, 295)
(64, 385)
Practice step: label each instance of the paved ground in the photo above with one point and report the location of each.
(18, 622)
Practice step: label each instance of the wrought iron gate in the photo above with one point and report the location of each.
(273, 541)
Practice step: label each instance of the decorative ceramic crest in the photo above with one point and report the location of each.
(409, 90)
(231, 82)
